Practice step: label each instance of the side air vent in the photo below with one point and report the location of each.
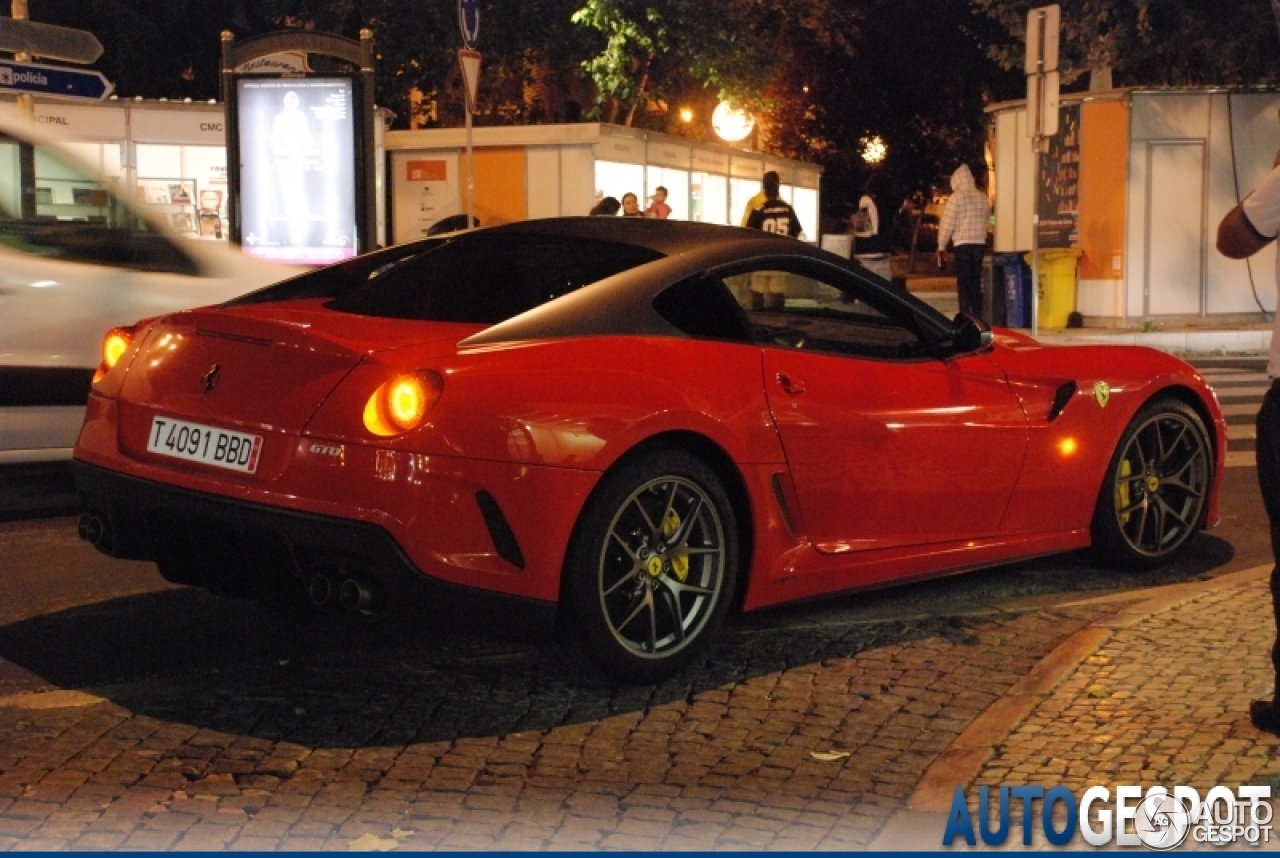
(1061, 398)
(781, 498)
(504, 539)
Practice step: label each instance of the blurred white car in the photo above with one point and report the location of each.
(75, 261)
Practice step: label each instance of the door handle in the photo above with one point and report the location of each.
(789, 384)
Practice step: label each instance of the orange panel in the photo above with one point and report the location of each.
(500, 184)
(1104, 162)
(429, 170)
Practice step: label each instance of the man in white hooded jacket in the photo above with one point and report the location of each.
(965, 221)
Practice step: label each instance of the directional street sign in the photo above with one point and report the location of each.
(1043, 24)
(469, 22)
(46, 40)
(53, 80)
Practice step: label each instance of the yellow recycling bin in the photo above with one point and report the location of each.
(1056, 290)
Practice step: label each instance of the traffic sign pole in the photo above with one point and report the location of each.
(26, 103)
(471, 174)
(469, 60)
(1042, 121)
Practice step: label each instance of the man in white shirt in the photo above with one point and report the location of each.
(1245, 230)
(965, 221)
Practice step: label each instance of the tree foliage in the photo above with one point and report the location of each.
(1152, 42)
(659, 49)
(532, 50)
(920, 88)
(823, 76)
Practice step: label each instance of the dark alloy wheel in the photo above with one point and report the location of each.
(651, 570)
(1153, 498)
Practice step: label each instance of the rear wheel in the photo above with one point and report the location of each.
(650, 572)
(1153, 498)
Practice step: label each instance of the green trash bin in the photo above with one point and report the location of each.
(1057, 287)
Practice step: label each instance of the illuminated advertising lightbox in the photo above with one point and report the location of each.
(297, 169)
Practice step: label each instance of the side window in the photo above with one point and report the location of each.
(51, 207)
(703, 308)
(795, 310)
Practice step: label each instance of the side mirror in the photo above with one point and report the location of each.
(969, 333)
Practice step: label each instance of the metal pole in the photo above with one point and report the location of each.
(231, 123)
(1036, 141)
(1035, 241)
(26, 101)
(471, 173)
(366, 158)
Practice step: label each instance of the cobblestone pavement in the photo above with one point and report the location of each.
(343, 740)
(1156, 695)
(1164, 701)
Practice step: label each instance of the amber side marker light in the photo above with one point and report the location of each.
(114, 345)
(402, 403)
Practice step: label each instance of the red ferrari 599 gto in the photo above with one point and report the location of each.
(634, 425)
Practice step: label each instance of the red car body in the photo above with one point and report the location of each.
(843, 470)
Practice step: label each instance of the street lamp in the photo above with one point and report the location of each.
(874, 150)
(730, 124)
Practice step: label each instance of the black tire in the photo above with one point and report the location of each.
(1154, 493)
(639, 602)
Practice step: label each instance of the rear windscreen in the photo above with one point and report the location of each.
(482, 277)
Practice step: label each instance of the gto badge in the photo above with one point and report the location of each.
(1102, 393)
(210, 378)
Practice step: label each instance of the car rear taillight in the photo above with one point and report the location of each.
(114, 345)
(402, 403)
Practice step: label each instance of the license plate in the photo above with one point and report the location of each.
(195, 442)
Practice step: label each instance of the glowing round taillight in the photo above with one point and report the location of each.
(400, 404)
(406, 402)
(114, 345)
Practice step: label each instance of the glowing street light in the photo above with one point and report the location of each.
(686, 114)
(731, 124)
(874, 150)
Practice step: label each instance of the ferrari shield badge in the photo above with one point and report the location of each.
(1102, 393)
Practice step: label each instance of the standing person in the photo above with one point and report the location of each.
(1246, 229)
(631, 206)
(658, 207)
(965, 221)
(871, 232)
(758, 200)
(775, 215)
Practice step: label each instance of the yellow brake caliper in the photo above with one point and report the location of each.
(1122, 490)
(679, 564)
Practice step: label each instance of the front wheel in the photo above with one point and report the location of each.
(1157, 484)
(650, 572)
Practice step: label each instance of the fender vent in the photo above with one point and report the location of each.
(504, 539)
(780, 496)
(1061, 398)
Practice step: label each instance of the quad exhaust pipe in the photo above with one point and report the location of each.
(321, 590)
(355, 595)
(92, 528)
(346, 592)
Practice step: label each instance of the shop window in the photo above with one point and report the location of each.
(51, 207)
